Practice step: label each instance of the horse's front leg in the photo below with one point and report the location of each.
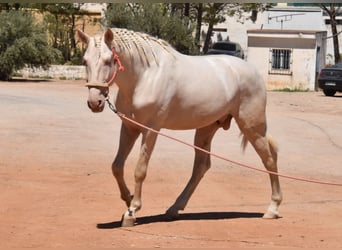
(128, 136)
(147, 145)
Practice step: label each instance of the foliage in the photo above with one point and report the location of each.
(154, 19)
(9, 6)
(22, 42)
(174, 22)
(295, 89)
(61, 21)
(214, 14)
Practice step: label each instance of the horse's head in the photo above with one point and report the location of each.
(100, 65)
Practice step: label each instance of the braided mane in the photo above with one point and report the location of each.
(141, 43)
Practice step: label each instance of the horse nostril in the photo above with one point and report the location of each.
(100, 103)
(88, 104)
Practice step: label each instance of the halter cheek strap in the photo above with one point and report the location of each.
(108, 83)
(121, 68)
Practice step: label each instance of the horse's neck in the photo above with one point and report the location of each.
(137, 61)
(141, 59)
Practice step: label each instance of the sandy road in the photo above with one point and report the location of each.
(57, 189)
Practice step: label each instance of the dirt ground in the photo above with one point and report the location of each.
(57, 188)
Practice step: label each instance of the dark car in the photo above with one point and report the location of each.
(330, 79)
(227, 48)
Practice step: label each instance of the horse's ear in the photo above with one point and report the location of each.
(82, 36)
(108, 37)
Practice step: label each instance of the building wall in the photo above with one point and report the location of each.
(281, 16)
(236, 29)
(304, 18)
(55, 72)
(303, 69)
(90, 23)
(294, 18)
(308, 50)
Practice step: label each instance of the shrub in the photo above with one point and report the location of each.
(23, 42)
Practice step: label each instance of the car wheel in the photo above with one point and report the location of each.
(329, 92)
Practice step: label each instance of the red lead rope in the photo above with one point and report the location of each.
(121, 67)
(112, 107)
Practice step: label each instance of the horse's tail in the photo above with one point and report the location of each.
(244, 142)
(271, 142)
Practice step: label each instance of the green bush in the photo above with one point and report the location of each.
(23, 42)
(153, 19)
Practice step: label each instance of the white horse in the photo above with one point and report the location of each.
(161, 88)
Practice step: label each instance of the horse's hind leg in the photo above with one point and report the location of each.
(266, 149)
(203, 139)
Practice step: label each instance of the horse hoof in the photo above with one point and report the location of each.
(271, 215)
(128, 220)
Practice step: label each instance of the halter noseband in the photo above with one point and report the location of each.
(108, 83)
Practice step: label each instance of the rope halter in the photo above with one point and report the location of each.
(117, 62)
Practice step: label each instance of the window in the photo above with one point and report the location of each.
(225, 46)
(280, 61)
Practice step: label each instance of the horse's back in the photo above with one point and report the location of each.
(246, 74)
(224, 78)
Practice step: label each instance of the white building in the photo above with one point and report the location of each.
(294, 18)
(278, 18)
(304, 18)
(288, 44)
(287, 58)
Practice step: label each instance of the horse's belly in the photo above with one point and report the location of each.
(198, 110)
(193, 119)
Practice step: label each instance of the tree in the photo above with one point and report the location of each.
(215, 13)
(60, 20)
(159, 20)
(199, 19)
(9, 6)
(332, 9)
(22, 42)
(61, 24)
(193, 15)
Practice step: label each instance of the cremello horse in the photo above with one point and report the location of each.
(161, 88)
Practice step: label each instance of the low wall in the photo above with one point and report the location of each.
(55, 72)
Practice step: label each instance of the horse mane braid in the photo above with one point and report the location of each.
(127, 40)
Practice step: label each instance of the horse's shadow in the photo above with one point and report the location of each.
(185, 216)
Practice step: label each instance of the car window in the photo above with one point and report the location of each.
(338, 65)
(225, 46)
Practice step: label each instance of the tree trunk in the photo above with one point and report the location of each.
(199, 25)
(332, 14)
(55, 39)
(187, 9)
(334, 33)
(208, 37)
(72, 34)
